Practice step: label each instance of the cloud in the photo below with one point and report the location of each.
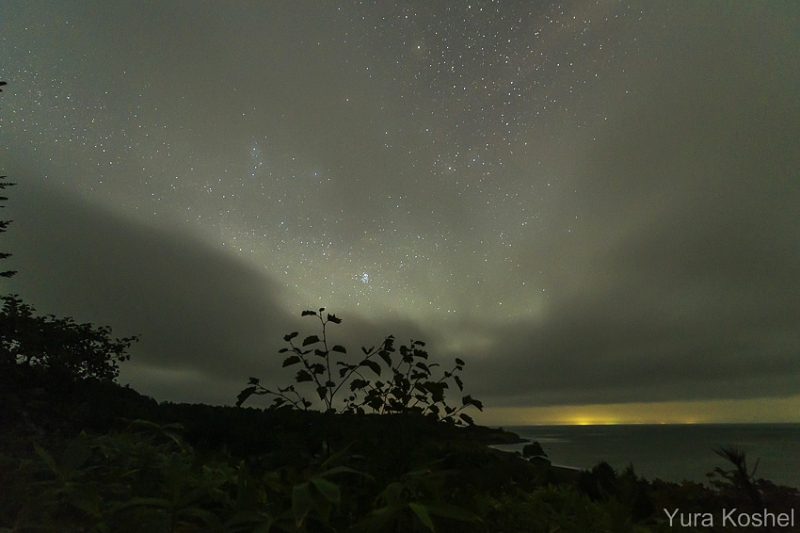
(198, 309)
(683, 281)
(680, 313)
(207, 320)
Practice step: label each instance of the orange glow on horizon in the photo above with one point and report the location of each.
(758, 410)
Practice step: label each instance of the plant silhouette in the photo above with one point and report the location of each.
(61, 345)
(409, 386)
(5, 223)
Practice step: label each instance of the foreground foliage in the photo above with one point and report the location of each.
(69, 463)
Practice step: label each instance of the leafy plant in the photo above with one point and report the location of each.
(740, 480)
(59, 344)
(416, 495)
(66, 489)
(5, 223)
(409, 384)
(314, 495)
(146, 478)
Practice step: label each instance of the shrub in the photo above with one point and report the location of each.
(411, 386)
(61, 345)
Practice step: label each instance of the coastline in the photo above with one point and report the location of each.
(671, 453)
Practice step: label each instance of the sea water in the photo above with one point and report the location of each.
(671, 452)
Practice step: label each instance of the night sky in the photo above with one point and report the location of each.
(595, 204)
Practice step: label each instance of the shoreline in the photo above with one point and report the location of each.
(671, 453)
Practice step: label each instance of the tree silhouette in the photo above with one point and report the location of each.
(5, 223)
(61, 345)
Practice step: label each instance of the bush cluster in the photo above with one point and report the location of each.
(410, 387)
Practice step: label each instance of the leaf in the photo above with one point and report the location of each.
(76, 454)
(311, 339)
(466, 418)
(302, 503)
(386, 357)
(422, 513)
(195, 512)
(459, 383)
(160, 503)
(459, 362)
(334, 319)
(290, 336)
(380, 519)
(344, 470)
(339, 348)
(436, 390)
(253, 381)
(46, 457)
(308, 313)
(85, 497)
(244, 395)
(247, 520)
(283, 350)
(469, 400)
(303, 375)
(322, 391)
(329, 490)
(375, 367)
(393, 493)
(358, 384)
(317, 368)
(291, 360)
(321, 353)
(452, 511)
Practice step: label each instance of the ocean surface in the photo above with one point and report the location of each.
(671, 452)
